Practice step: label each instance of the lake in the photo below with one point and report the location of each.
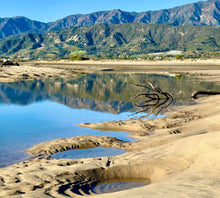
(41, 110)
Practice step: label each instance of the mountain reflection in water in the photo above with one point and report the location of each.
(41, 110)
(98, 92)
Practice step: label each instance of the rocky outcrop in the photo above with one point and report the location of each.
(9, 63)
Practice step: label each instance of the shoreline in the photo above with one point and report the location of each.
(206, 69)
(131, 62)
(179, 154)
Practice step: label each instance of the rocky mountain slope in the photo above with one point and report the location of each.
(112, 41)
(202, 13)
(19, 25)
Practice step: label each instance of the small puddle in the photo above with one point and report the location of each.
(115, 185)
(89, 153)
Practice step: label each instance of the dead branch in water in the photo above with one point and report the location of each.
(194, 95)
(156, 101)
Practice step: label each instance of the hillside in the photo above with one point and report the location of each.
(202, 13)
(112, 41)
(19, 25)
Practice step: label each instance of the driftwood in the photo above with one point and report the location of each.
(157, 100)
(194, 95)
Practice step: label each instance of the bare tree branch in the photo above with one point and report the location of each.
(156, 101)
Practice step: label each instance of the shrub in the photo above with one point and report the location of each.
(179, 57)
(78, 58)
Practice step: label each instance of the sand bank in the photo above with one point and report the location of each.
(180, 156)
(75, 143)
(206, 69)
(24, 72)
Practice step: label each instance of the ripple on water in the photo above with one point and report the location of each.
(115, 185)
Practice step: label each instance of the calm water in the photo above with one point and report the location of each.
(115, 185)
(41, 110)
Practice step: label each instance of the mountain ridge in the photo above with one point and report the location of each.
(111, 41)
(202, 13)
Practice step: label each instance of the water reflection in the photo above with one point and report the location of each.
(115, 185)
(23, 126)
(89, 153)
(155, 100)
(41, 110)
(98, 92)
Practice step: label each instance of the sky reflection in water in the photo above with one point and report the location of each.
(41, 110)
(23, 126)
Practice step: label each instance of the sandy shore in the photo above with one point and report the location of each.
(206, 69)
(179, 154)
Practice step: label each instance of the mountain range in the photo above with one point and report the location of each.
(202, 13)
(115, 33)
(111, 41)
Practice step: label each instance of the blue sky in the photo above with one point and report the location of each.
(51, 10)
